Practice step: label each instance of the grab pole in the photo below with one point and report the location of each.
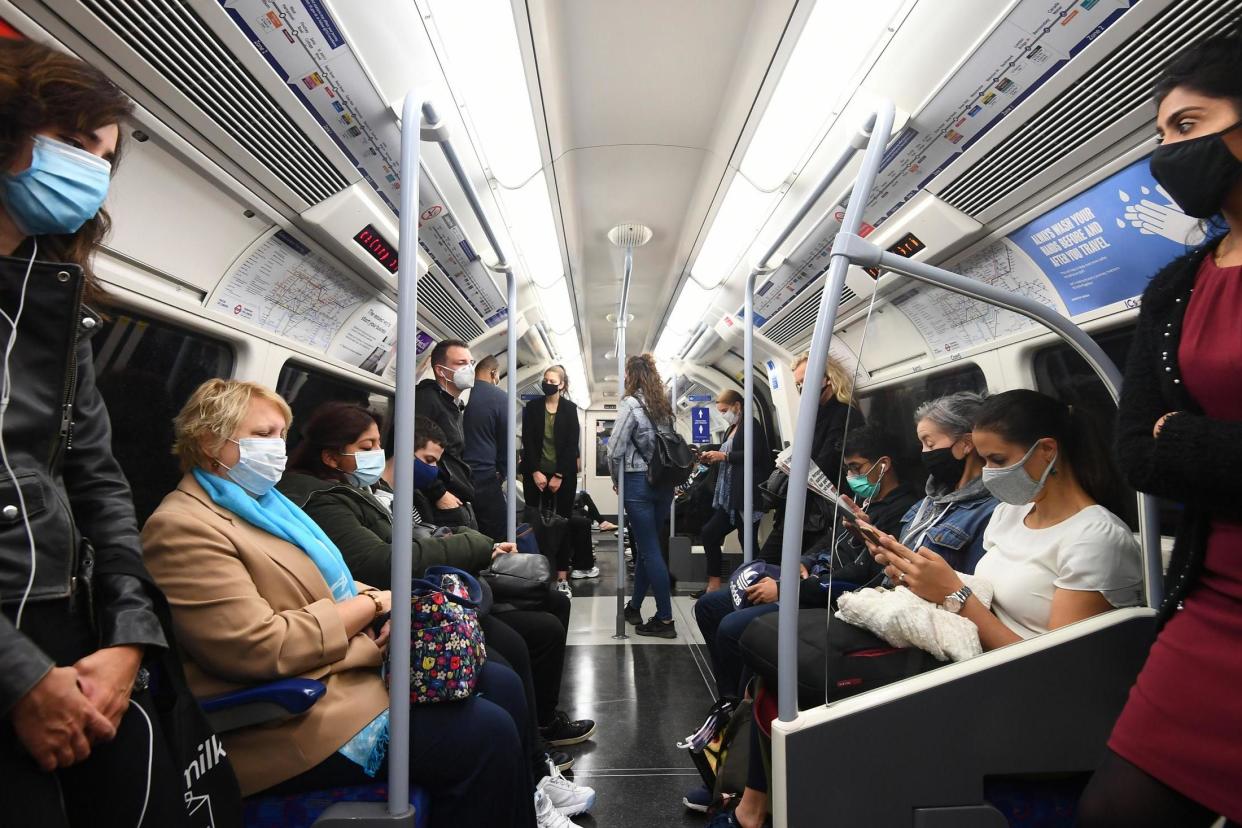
(622, 312)
(403, 497)
(436, 132)
(804, 431)
(763, 268)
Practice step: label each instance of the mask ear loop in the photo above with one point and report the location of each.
(4, 407)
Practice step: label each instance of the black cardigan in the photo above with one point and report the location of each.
(737, 460)
(1195, 459)
(566, 433)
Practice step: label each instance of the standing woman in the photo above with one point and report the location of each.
(1174, 757)
(551, 435)
(644, 408)
(70, 645)
(729, 499)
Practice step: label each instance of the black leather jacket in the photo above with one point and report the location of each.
(59, 445)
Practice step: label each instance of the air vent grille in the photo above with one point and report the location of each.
(1119, 85)
(803, 316)
(435, 298)
(178, 45)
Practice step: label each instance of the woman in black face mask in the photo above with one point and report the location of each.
(1174, 757)
(551, 436)
(950, 520)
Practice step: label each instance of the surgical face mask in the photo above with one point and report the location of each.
(549, 388)
(369, 465)
(260, 465)
(943, 467)
(1012, 484)
(862, 486)
(425, 474)
(462, 377)
(63, 188)
(1198, 173)
(730, 416)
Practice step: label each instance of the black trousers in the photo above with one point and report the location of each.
(489, 506)
(108, 788)
(543, 636)
(713, 533)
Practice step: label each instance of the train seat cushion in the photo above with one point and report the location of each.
(302, 810)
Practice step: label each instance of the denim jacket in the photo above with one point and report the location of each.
(632, 440)
(958, 520)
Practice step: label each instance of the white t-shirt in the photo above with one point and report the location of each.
(1093, 551)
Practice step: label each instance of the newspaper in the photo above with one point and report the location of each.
(816, 482)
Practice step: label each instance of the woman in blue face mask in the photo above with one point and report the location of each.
(335, 475)
(77, 618)
(1174, 757)
(259, 591)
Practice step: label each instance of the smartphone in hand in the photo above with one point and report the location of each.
(869, 532)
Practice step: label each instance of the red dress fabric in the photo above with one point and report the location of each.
(1183, 721)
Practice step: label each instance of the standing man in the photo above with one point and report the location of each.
(485, 429)
(439, 400)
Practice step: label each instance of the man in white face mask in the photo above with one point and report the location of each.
(439, 400)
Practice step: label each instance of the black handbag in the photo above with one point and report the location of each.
(671, 460)
(518, 578)
(551, 529)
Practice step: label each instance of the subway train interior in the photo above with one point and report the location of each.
(340, 199)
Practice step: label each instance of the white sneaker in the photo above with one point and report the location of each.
(568, 799)
(546, 815)
(563, 586)
(579, 574)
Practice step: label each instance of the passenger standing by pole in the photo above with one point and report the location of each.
(1174, 757)
(79, 608)
(551, 436)
(483, 428)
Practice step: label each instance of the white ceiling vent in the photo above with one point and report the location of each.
(170, 37)
(1119, 85)
(802, 316)
(435, 298)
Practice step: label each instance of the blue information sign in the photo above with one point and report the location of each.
(699, 397)
(700, 425)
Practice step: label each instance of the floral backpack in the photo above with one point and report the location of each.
(446, 643)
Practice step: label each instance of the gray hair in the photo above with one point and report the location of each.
(954, 413)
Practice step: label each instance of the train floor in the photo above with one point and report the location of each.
(645, 694)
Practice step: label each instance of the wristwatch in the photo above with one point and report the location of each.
(954, 601)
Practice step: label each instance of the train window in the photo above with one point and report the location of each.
(1060, 372)
(305, 389)
(146, 369)
(603, 431)
(892, 408)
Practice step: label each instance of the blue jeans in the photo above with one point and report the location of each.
(722, 626)
(646, 508)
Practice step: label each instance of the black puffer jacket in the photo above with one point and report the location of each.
(1195, 459)
(59, 446)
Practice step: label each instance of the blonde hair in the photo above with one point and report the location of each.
(213, 413)
(835, 373)
(729, 397)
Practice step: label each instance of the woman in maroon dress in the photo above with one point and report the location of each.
(1175, 755)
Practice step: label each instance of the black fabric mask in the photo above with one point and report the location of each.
(1198, 173)
(943, 467)
(549, 388)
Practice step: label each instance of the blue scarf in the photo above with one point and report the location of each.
(277, 515)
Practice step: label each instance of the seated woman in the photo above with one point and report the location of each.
(585, 504)
(335, 475)
(1054, 552)
(259, 593)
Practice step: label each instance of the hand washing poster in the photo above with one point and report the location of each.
(1103, 245)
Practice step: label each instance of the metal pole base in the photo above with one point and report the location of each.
(620, 637)
(363, 815)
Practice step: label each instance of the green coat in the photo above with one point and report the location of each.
(361, 528)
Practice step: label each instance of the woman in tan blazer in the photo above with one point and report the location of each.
(249, 584)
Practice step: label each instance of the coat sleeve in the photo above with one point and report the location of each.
(567, 453)
(103, 508)
(25, 664)
(220, 618)
(530, 451)
(831, 436)
(1195, 458)
(368, 555)
(620, 438)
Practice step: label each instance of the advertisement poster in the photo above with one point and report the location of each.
(1103, 245)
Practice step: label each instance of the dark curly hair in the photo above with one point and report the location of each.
(41, 89)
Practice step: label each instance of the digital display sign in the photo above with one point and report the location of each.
(370, 240)
(906, 247)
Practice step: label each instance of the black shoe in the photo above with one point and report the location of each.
(633, 616)
(657, 629)
(699, 594)
(560, 758)
(562, 731)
